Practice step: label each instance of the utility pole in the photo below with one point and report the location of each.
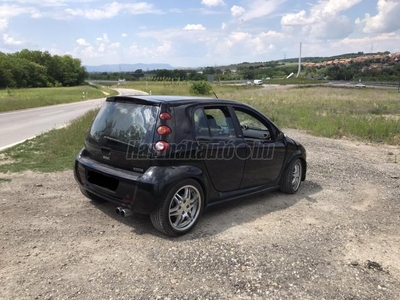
(298, 72)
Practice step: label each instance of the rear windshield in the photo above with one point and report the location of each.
(125, 123)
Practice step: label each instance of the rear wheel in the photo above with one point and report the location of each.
(291, 178)
(180, 210)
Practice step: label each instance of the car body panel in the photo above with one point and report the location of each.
(141, 187)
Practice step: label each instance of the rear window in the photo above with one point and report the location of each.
(127, 123)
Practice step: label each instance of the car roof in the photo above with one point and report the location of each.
(157, 99)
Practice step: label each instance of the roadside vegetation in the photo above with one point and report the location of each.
(25, 69)
(370, 115)
(13, 99)
(49, 152)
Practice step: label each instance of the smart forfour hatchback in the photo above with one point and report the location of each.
(172, 156)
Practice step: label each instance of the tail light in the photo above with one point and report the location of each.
(165, 116)
(161, 146)
(163, 130)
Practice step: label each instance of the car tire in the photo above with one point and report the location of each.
(291, 178)
(180, 210)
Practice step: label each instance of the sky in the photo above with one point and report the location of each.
(194, 33)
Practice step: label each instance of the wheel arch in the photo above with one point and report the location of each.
(171, 175)
(296, 155)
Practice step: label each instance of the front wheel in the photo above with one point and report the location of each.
(291, 178)
(180, 210)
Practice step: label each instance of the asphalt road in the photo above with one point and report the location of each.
(18, 126)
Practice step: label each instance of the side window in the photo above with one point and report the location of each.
(252, 126)
(220, 122)
(200, 123)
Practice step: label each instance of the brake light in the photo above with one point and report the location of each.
(161, 146)
(163, 130)
(165, 116)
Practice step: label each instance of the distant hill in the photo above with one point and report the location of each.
(127, 67)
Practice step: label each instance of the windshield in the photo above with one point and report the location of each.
(124, 123)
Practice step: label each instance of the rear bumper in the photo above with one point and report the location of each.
(129, 189)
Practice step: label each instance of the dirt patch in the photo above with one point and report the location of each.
(338, 238)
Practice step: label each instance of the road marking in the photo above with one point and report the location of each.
(32, 137)
(14, 144)
(51, 113)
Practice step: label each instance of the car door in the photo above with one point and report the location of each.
(218, 146)
(265, 153)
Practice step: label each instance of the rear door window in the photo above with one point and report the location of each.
(219, 121)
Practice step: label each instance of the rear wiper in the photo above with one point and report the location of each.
(107, 137)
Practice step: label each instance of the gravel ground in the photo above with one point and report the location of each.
(337, 238)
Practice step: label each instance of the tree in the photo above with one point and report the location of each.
(39, 69)
(201, 88)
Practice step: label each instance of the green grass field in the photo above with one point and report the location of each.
(362, 114)
(14, 99)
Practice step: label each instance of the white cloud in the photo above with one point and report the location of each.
(212, 2)
(296, 19)
(148, 53)
(194, 27)
(113, 9)
(50, 3)
(237, 11)
(114, 45)
(89, 52)
(3, 24)
(82, 42)
(124, 35)
(323, 21)
(103, 39)
(261, 8)
(381, 42)
(246, 43)
(224, 26)
(273, 34)
(9, 11)
(102, 48)
(386, 20)
(9, 40)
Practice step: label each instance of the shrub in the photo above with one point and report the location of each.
(201, 88)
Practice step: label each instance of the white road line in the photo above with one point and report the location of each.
(14, 144)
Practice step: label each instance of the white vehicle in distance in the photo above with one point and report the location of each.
(258, 82)
(361, 85)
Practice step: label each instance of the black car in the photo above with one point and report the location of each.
(173, 156)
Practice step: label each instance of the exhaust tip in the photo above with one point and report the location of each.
(118, 210)
(123, 212)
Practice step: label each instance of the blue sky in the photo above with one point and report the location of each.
(192, 33)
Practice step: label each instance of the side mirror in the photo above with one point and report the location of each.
(280, 135)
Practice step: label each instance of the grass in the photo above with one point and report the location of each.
(14, 99)
(369, 115)
(5, 180)
(182, 87)
(363, 114)
(48, 152)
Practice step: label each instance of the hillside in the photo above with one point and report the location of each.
(127, 67)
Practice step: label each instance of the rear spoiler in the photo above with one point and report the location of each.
(132, 99)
